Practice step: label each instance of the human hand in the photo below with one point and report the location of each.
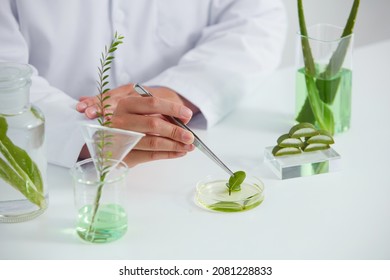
(162, 140)
(89, 105)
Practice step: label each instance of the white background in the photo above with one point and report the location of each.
(372, 23)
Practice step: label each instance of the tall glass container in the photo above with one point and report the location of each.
(23, 189)
(324, 88)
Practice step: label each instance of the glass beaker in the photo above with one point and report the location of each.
(100, 202)
(324, 78)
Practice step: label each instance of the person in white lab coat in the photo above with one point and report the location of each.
(202, 55)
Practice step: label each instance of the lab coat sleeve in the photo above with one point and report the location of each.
(240, 47)
(62, 136)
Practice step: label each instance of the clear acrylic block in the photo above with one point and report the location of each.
(304, 164)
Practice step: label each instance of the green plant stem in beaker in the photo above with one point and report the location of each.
(334, 95)
(110, 223)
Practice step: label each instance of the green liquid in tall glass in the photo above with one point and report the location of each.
(110, 223)
(334, 93)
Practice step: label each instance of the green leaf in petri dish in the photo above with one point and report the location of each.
(235, 181)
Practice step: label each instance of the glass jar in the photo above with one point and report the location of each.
(23, 188)
(100, 203)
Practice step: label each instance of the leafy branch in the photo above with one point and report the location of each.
(102, 83)
(103, 137)
(104, 117)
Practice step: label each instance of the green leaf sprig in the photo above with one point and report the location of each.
(104, 117)
(103, 137)
(106, 59)
(235, 181)
(321, 92)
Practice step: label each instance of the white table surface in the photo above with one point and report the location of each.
(342, 215)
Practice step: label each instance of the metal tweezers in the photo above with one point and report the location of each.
(197, 142)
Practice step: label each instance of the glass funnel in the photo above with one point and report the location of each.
(107, 145)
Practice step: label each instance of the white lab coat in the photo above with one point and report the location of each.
(210, 51)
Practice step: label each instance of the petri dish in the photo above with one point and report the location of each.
(212, 194)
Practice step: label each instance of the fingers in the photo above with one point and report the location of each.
(136, 156)
(89, 104)
(86, 102)
(153, 105)
(152, 148)
(157, 143)
(142, 114)
(152, 125)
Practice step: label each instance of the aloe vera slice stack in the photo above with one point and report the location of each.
(303, 137)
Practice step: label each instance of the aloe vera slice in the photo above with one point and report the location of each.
(284, 151)
(315, 147)
(303, 130)
(286, 141)
(324, 137)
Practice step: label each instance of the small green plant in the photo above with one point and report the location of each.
(102, 82)
(322, 87)
(104, 117)
(103, 137)
(235, 181)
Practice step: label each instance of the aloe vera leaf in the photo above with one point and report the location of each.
(337, 59)
(307, 55)
(321, 112)
(21, 157)
(21, 163)
(25, 163)
(28, 188)
(327, 87)
(306, 114)
(327, 84)
(13, 179)
(10, 176)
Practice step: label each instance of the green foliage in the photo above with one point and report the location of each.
(103, 137)
(235, 181)
(322, 87)
(19, 170)
(102, 83)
